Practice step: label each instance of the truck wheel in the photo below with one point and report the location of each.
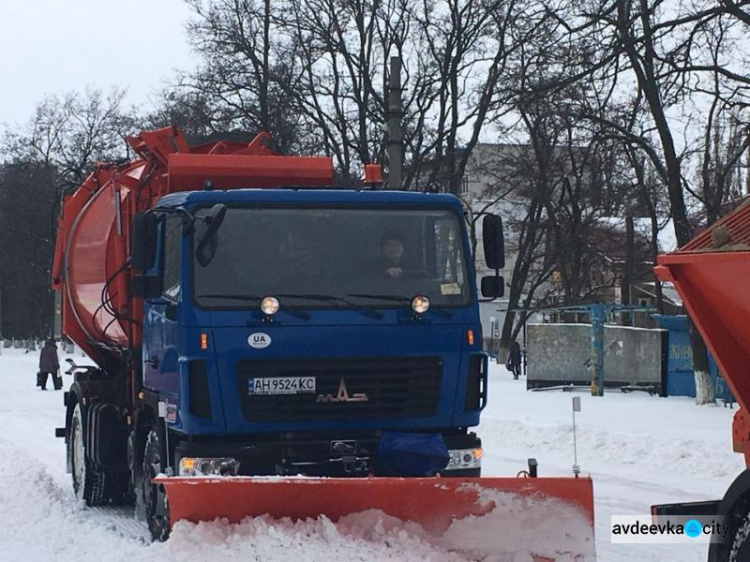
(736, 546)
(153, 496)
(118, 488)
(88, 483)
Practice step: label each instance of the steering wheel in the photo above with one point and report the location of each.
(414, 274)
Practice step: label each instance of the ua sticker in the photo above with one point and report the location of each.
(259, 340)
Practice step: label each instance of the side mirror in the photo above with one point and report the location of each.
(493, 286)
(206, 236)
(494, 242)
(143, 238)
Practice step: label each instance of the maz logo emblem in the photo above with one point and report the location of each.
(343, 395)
(259, 340)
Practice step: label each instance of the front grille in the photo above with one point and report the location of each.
(397, 387)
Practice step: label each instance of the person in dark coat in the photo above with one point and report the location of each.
(391, 254)
(49, 364)
(514, 359)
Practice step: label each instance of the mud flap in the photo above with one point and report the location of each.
(561, 508)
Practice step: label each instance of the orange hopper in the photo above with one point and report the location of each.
(711, 274)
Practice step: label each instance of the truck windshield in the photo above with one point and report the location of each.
(352, 257)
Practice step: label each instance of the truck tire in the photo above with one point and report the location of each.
(88, 483)
(152, 496)
(736, 546)
(118, 488)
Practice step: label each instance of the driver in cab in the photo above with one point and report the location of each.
(391, 254)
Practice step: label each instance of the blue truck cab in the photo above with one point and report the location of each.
(304, 331)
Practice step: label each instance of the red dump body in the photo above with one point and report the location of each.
(92, 246)
(712, 275)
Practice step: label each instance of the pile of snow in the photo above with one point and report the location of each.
(638, 449)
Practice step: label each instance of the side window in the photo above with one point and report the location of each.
(172, 257)
(448, 251)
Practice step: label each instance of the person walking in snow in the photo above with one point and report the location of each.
(49, 364)
(514, 359)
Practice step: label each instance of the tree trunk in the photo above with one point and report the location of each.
(705, 392)
(644, 67)
(704, 389)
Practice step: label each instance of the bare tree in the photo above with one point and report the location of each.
(465, 50)
(195, 114)
(726, 140)
(556, 192)
(651, 203)
(664, 53)
(246, 69)
(342, 50)
(27, 200)
(323, 66)
(72, 132)
(58, 148)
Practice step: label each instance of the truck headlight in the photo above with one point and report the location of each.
(224, 466)
(420, 304)
(461, 459)
(269, 305)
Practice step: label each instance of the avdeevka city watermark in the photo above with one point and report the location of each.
(631, 529)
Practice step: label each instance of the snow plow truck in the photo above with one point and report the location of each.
(711, 275)
(267, 344)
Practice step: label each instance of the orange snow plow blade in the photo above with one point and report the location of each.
(556, 513)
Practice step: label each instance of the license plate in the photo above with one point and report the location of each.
(281, 385)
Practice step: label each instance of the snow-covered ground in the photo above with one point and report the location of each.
(639, 450)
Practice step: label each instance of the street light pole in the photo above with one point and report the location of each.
(395, 133)
(596, 357)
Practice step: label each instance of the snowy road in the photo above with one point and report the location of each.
(639, 450)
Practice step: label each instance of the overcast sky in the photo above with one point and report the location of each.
(53, 46)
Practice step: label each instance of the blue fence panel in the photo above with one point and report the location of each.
(680, 378)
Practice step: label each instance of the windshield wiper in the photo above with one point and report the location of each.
(334, 299)
(293, 311)
(404, 300)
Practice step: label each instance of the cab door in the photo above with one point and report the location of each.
(161, 334)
